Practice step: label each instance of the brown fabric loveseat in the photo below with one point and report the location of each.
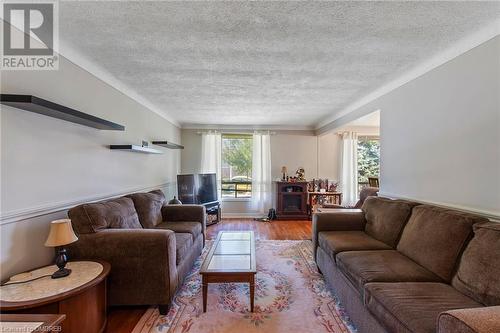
(151, 246)
(398, 266)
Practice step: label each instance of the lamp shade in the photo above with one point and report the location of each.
(61, 233)
(283, 169)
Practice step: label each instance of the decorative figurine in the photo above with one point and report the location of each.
(333, 187)
(301, 174)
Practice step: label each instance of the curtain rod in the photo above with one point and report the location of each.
(363, 136)
(249, 132)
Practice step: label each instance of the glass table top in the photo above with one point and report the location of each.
(233, 251)
(229, 262)
(235, 235)
(233, 247)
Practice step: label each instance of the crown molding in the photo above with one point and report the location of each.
(462, 46)
(105, 76)
(239, 128)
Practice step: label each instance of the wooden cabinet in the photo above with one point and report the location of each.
(291, 200)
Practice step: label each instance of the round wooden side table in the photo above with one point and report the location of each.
(81, 296)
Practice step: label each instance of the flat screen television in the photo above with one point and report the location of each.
(197, 189)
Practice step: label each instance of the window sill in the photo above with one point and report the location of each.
(236, 199)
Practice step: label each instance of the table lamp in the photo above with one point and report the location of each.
(61, 233)
(284, 171)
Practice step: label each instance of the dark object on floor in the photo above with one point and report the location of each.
(272, 214)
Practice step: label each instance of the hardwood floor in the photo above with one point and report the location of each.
(124, 319)
(264, 230)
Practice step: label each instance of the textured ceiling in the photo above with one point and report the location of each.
(262, 63)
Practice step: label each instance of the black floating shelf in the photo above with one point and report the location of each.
(167, 144)
(42, 106)
(136, 149)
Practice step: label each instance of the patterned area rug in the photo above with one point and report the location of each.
(290, 296)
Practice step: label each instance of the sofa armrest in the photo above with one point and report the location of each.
(338, 220)
(185, 213)
(143, 263)
(475, 320)
(328, 205)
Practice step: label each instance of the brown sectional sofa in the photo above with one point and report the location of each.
(151, 246)
(398, 266)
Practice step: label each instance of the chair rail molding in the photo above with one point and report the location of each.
(45, 209)
(494, 216)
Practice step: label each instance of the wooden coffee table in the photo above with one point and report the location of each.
(231, 259)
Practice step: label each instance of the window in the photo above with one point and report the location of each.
(236, 166)
(368, 159)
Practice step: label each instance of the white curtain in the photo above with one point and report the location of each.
(261, 172)
(349, 168)
(211, 146)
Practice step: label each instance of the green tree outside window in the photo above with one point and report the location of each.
(368, 159)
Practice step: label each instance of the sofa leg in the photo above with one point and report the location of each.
(163, 308)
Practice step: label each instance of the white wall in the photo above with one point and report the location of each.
(48, 165)
(440, 134)
(294, 151)
(329, 155)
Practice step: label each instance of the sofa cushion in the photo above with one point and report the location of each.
(361, 267)
(183, 244)
(148, 207)
(478, 274)
(434, 237)
(117, 213)
(413, 306)
(386, 218)
(334, 242)
(193, 228)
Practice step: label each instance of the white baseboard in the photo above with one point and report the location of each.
(492, 215)
(240, 215)
(31, 212)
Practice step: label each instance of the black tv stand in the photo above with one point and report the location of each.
(214, 211)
